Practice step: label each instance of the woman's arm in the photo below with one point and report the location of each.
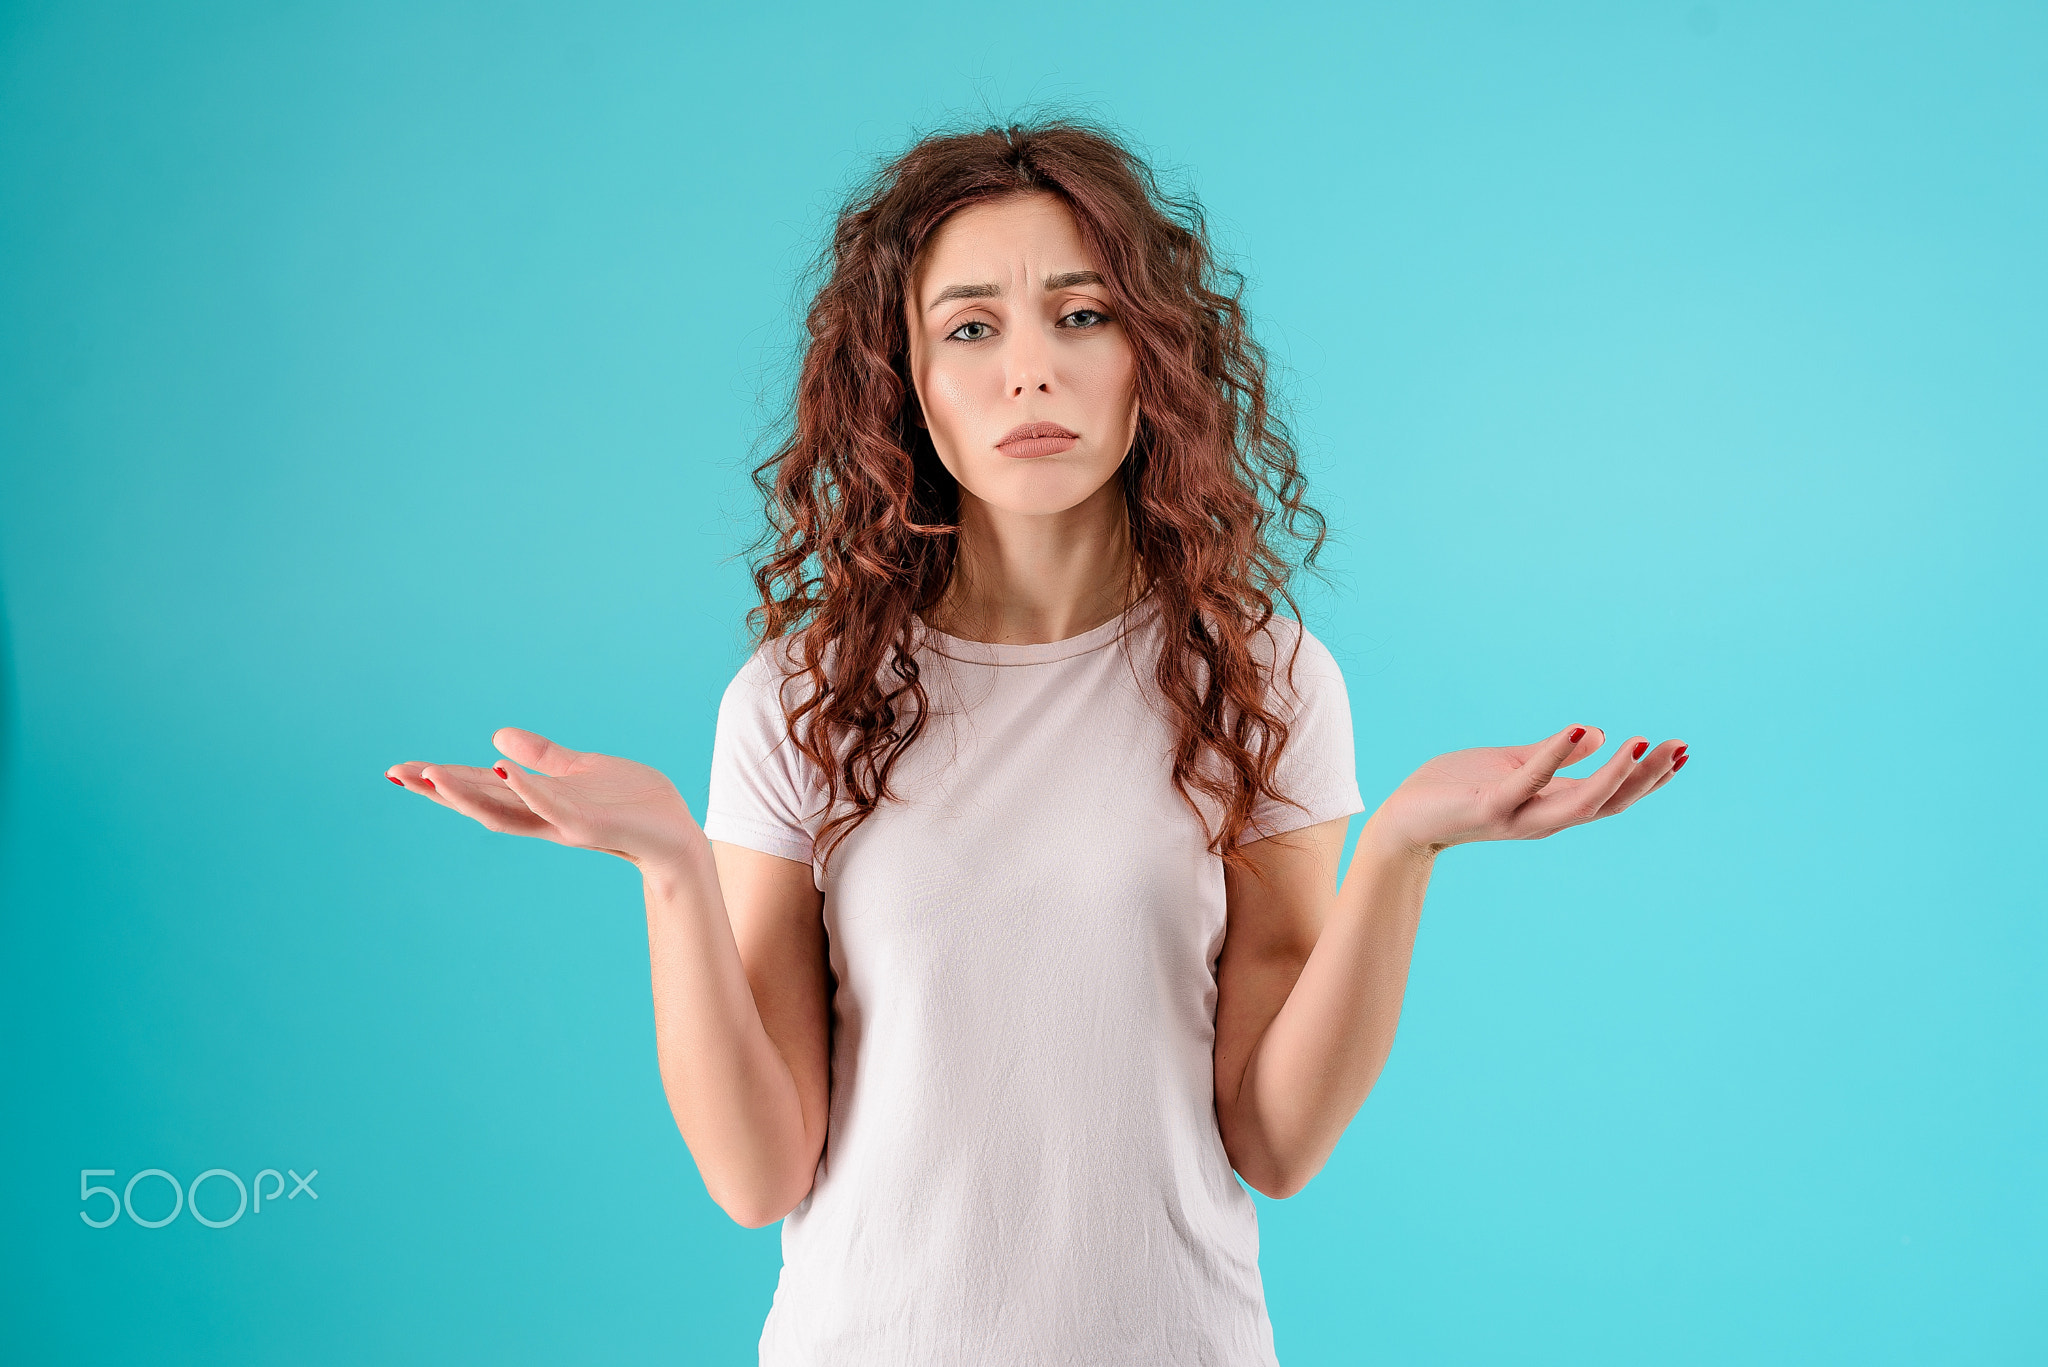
(736, 947)
(1310, 982)
(1309, 990)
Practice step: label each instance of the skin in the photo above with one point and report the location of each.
(1045, 549)
(1312, 973)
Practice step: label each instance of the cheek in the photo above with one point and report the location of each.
(950, 388)
(1113, 386)
(946, 389)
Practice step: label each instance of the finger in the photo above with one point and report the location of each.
(534, 751)
(1594, 790)
(1589, 742)
(410, 776)
(446, 776)
(441, 782)
(481, 796)
(1645, 776)
(1679, 764)
(535, 791)
(1575, 801)
(1541, 761)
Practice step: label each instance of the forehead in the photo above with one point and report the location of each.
(986, 242)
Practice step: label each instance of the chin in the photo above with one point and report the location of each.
(1032, 488)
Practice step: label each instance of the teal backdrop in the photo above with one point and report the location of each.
(374, 376)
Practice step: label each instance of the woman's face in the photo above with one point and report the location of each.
(1028, 384)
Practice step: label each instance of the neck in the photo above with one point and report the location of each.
(1034, 578)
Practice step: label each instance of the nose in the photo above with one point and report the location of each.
(1029, 364)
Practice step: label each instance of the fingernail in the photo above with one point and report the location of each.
(395, 779)
(1641, 746)
(1577, 731)
(424, 781)
(499, 772)
(1681, 763)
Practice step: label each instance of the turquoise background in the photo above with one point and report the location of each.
(375, 376)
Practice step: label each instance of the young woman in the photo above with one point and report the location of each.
(1012, 926)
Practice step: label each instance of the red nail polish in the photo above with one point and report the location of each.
(1577, 732)
(1641, 746)
(395, 779)
(1681, 763)
(499, 772)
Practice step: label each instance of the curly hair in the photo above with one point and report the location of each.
(862, 517)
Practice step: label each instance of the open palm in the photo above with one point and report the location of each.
(1513, 792)
(579, 798)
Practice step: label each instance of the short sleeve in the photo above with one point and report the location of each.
(1318, 767)
(762, 792)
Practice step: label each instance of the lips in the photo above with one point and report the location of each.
(1028, 439)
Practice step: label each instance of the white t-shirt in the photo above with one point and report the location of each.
(1022, 1164)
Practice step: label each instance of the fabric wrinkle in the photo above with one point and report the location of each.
(1022, 1163)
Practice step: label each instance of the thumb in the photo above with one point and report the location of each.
(1545, 758)
(534, 751)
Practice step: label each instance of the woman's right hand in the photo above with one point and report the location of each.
(590, 801)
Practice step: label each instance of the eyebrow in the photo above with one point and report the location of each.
(1064, 281)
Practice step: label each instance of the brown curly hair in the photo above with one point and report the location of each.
(862, 516)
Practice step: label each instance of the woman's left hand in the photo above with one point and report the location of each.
(1511, 792)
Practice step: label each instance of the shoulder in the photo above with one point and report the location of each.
(1295, 664)
(771, 670)
(768, 685)
(1299, 665)
(753, 734)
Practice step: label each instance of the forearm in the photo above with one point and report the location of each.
(1324, 1049)
(730, 1089)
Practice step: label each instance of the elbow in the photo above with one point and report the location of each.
(1279, 1185)
(760, 1206)
(754, 1216)
(752, 1212)
(1289, 1185)
(1274, 1176)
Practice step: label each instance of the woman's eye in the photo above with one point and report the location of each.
(1090, 318)
(977, 323)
